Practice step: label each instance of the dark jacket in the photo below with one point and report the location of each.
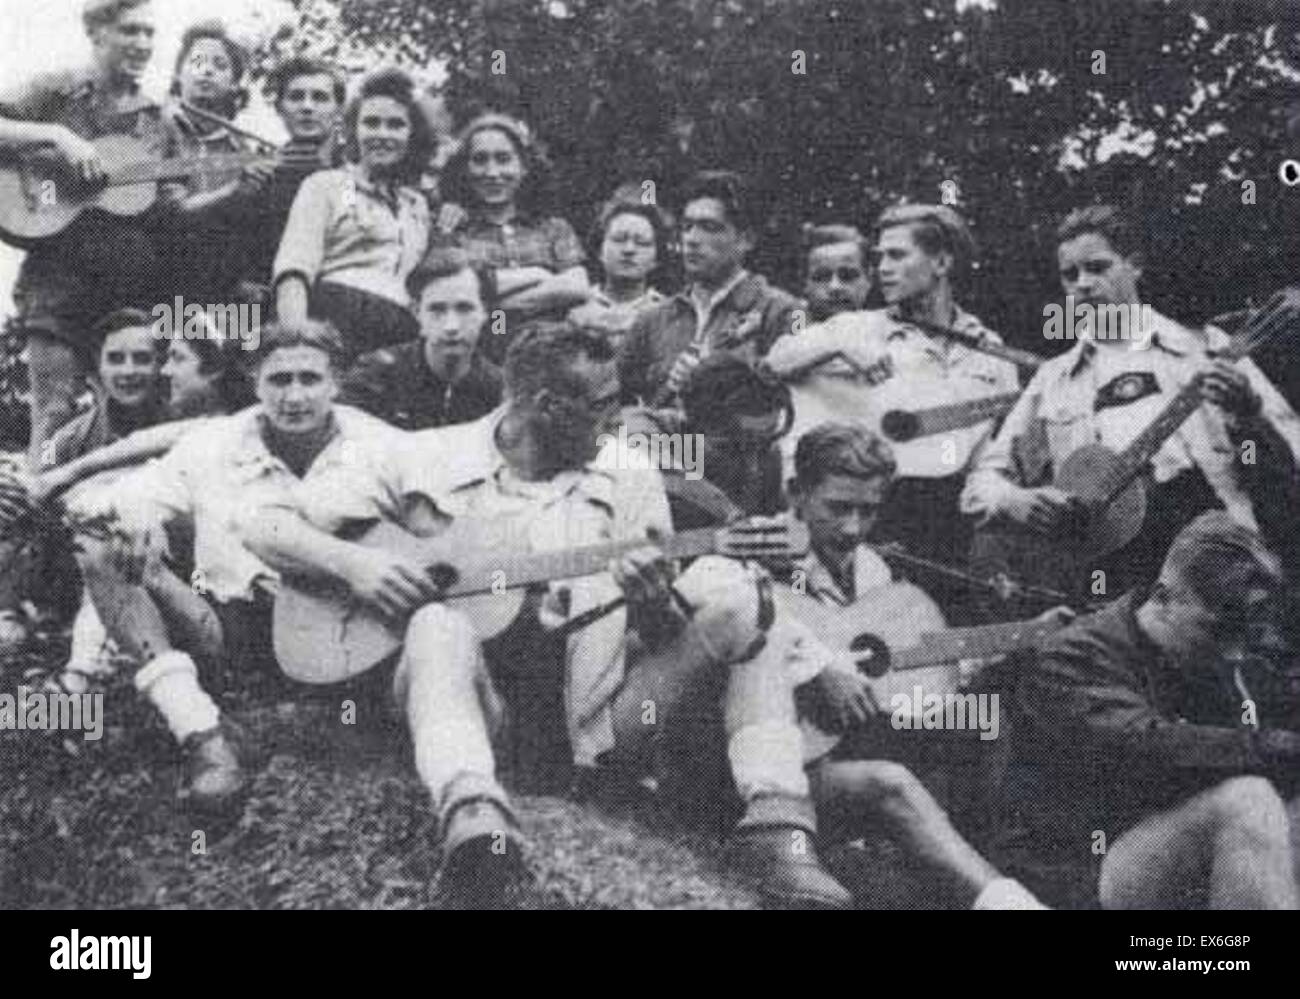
(660, 334)
(396, 384)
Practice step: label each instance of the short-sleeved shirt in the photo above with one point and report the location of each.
(894, 363)
(219, 475)
(88, 269)
(345, 230)
(397, 385)
(745, 318)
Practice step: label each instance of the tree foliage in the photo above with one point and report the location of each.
(897, 98)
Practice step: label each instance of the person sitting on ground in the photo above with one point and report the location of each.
(35, 557)
(443, 377)
(355, 234)
(631, 241)
(532, 470)
(212, 481)
(1153, 770)
(842, 477)
(534, 260)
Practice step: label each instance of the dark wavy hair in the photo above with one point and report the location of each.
(454, 183)
(397, 85)
(1108, 221)
(234, 387)
(625, 201)
(216, 31)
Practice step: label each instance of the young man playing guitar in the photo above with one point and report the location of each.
(1156, 758)
(531, 470)
(213, 480)
(859, 365)
(1108, 391)
(843, 475)
(89, 270)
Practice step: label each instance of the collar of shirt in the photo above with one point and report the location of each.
(91, 85)
(704, 308)
(251, 455)
(1167, 336)
(869, 571)
(962, 322)
(477, 458)
(393, 195)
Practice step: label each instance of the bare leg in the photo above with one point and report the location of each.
(852, 793)
(1230, 842)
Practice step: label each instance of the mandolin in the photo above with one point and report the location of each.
(896, 636)
(323, 635)
(40, 196)
(1112, 485)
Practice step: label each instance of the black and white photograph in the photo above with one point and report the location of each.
(651, 454)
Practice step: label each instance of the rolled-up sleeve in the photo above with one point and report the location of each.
(302, 247)
(993, 475)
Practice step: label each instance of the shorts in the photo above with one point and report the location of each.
(367, 322)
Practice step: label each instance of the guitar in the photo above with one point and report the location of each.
(323, 635)
(40, 196)
(897, 637)
(1112, 485)
(903, 425)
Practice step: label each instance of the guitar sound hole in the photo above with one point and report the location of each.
(871, 655)
(444, 576)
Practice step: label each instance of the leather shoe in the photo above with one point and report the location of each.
(783, 863)
(214, 783)
(483, 856)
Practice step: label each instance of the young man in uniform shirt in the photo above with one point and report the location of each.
(724, 307)
(1106, 390)
(531, 470)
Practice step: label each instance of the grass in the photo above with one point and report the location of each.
(336, 819)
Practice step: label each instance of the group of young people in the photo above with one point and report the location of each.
(441, 362)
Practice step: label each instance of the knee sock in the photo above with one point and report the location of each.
(171, 682)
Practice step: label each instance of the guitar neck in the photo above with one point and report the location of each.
(957, 415)
(1133, 459)
(1020, 358)
(588, 560)
(148, 171)
(979, 641)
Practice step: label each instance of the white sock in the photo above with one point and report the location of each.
(171, 682)
(1006, 893)
(768, 757)
(88, 640)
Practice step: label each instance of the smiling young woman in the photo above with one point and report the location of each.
(355, 234)
(535, 260)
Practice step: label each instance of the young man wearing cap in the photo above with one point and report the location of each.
(860, 364)
(89, 269)
(724, 308)
(1156, 766)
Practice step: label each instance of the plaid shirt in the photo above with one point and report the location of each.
(526, 241)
